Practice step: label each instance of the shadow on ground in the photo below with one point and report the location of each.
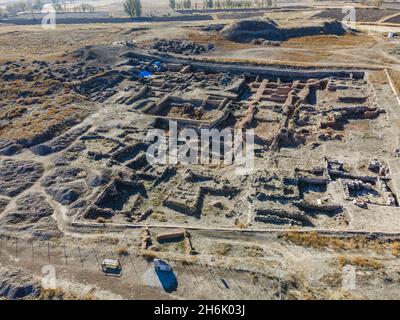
(168, 280)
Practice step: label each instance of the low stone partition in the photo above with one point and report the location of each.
(171, 236)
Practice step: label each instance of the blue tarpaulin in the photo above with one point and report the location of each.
(145, 74)
(157, 65)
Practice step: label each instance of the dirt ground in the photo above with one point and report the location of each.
(220, 272)
(257, 263)
(360, 49)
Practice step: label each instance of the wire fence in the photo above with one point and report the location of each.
(228, 283)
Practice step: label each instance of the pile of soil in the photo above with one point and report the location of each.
(217, 27)
(188, 110)
(181, 47)
(246, 31)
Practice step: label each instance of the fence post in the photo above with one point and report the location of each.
(80, 256)
(48, 249)
(65, 255)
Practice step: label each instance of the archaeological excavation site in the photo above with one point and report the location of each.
(311, 102)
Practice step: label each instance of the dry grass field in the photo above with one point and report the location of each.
(396, 79)
(34, 42)
(327, 42)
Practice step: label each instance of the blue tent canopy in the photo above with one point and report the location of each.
(145, 74)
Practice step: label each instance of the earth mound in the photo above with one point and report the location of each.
(248, 30)
(245, 31)
(181, 47)
(16, 284)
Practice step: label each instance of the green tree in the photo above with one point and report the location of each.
(133, 8)
(87, 7)
(2, 13)
(129, 8)
(38, 5)
(172, 4)
(16, 7)
(138, 6)
(58, 8)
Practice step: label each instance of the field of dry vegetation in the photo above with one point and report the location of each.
(331, 41)
(34, 42)
(318, 241)
(396, 79)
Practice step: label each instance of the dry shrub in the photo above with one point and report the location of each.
(241, 224)
(60, 294)
(12, 113)
(359, 261)
(181, 246)
(186, 260)
(122, 251)
(41, 120)
(314, 240)
(303, 61)
(395, 248)
(160, 217)
(378, 77)
(223, 249)
(87, 296)
(320, 41)
(101, 220)
(149, 255)
(52, 294)
(69, 98)
(254, 278)
(395, 75)
(105, 240)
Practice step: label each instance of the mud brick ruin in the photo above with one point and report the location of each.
(91, 115)
(102, 177)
